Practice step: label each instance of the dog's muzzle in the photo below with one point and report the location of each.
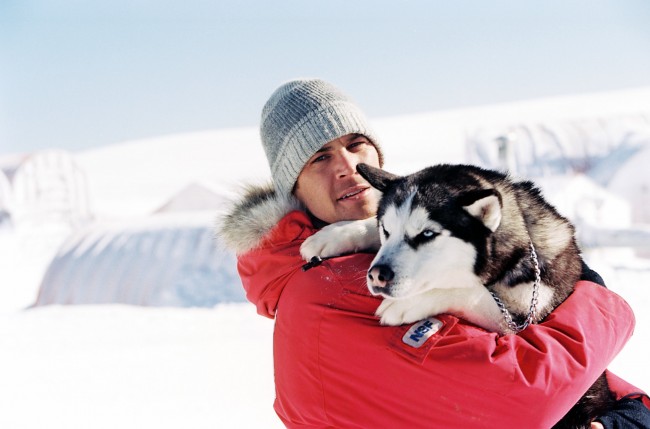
(379, 279)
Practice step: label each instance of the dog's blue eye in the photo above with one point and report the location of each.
(386, 234)
(423, 237)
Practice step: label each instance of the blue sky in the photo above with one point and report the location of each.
(78, 74)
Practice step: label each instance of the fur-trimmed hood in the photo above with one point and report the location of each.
(249, 219)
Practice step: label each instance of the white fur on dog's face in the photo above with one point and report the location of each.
(421, 253)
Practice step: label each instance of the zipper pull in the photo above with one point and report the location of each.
(313, 262)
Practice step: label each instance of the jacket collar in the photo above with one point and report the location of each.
(250, 218)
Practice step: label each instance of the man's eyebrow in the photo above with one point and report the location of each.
(352, 138)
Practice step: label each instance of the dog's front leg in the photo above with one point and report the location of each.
(474, 304)
(395, 312)
(342, 237)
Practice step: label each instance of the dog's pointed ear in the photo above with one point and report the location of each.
(378, 178)
(485, 205)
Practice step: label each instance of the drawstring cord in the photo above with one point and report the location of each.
(317, 260)
(313, 262)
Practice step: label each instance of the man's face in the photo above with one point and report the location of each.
(330, 186)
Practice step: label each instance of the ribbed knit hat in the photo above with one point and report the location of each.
(299, 118)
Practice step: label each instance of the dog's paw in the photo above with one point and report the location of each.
(388, 315)
(393, 313)
(325, 243)
(340, 238)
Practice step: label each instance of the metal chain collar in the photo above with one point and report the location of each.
(532, 311)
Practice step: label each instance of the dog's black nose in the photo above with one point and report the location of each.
(380, 275)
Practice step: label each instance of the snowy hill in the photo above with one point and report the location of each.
(161, 361)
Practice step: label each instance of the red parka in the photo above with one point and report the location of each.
(337, 367)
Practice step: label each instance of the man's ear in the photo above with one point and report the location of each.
(484, 205)
(378, 178)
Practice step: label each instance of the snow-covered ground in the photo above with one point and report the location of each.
(194, 361)
(117, 366)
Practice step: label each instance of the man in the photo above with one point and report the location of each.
(335, 365)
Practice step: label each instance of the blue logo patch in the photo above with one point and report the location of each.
(419, 333)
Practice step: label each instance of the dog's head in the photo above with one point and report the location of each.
(434, 227)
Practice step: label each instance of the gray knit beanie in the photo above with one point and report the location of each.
(299, 118)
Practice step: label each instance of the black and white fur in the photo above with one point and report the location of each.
(449, 235)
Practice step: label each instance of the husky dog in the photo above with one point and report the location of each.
(463, 240)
